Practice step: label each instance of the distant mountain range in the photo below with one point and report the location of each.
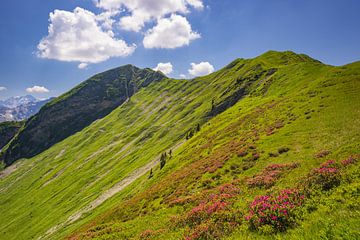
(20, 107)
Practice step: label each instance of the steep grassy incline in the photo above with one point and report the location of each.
(226, 132)
(56, 191)
(280, 136)
(8, 131)
(76, 109)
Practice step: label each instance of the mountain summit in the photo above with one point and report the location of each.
(208, 156)
(20, 108)
(17, 101)
(76, 109)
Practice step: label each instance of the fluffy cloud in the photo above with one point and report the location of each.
(196, 4)
(165, 68)
(82, 36)
(37, 89)
(201, 69)
(3, 89)
(106, 19)
(182, 76)
(85, 37)
(142, 11)
(82, 65)
(170, 32)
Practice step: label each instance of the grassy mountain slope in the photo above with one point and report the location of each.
(76, 109)
(90, 162)
(249, 113)
(302, 116)
(8, 131)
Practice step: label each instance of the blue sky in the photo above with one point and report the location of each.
(214, 32)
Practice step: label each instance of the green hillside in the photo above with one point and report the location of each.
(8, 131)
(76, 109)
(259, 127)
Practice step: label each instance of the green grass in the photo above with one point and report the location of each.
(8, 131)
(76, 109)
(303, 105)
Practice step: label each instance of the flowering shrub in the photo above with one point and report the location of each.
(214, 204)
(269, 175)
(265, 179)
(213, 216)
(228, 188)
(203, 211)
(200, 232)
(329, 164)
(255, 156)
(211, 230)
(276, 211)
(288, 166)
(350, 160)
(322, 154)
(326, 176)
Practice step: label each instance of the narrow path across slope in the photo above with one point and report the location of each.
(107, 194)
(10, 169)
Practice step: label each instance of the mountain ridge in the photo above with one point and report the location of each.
(18, 100)
(266, 60)
(74, 110)
(20, 108)
(288, 117)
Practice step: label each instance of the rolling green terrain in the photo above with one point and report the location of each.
(254, 128)
(76, 109)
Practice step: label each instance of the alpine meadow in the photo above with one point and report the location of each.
(266, 147)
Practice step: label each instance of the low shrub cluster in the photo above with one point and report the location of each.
(214, 217)
(272, 128)
(322, 153)
(327, 176)
(276, 211)
(242, 152)
(212, 229)
(217, 217)
(273, 154)
(350, 160)
(213, 204)
(205, 210)
(283, 150)
(270, 175)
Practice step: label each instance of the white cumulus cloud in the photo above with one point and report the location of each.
(201, 69)
(196, 4)
(106, 19)
(170, 33)
(37, 89)
(82, 36)
(165, 68)
(82, 65)
(3, 88)
(142, 11)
